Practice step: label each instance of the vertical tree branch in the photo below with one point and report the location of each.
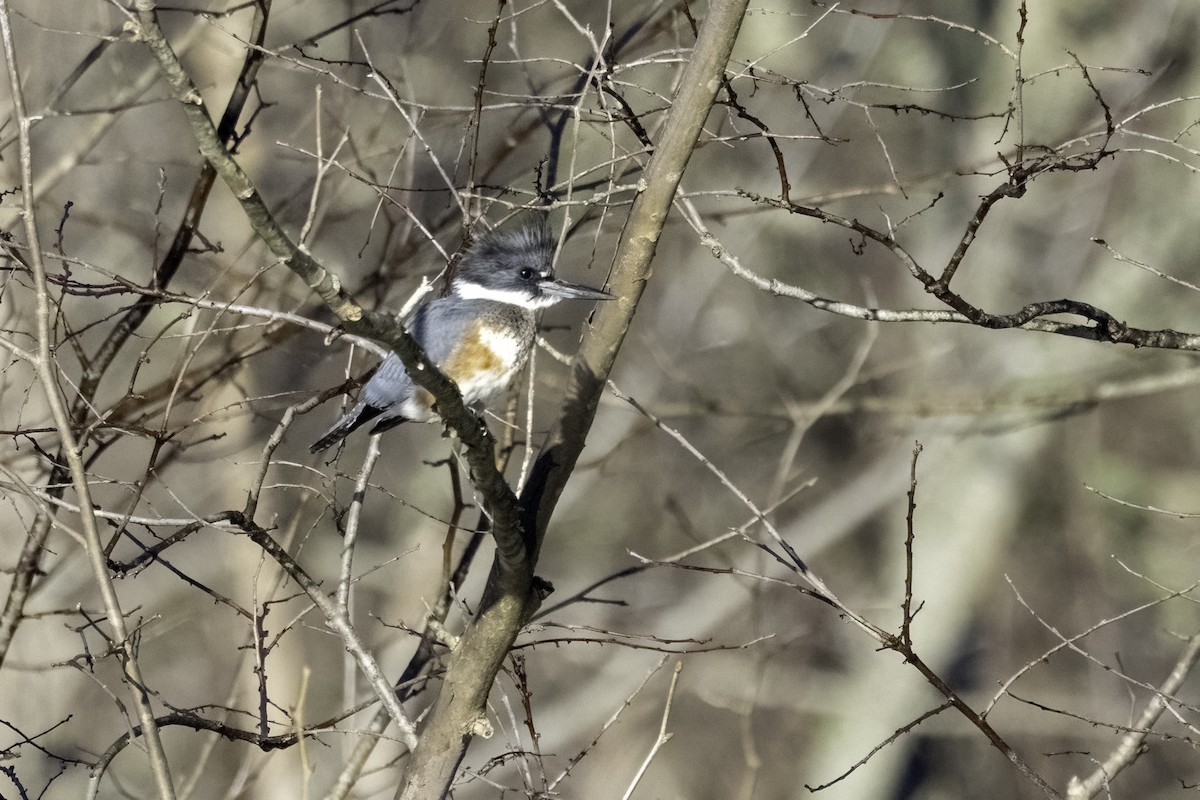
(602, 339)
(45, 365)
(458, 713)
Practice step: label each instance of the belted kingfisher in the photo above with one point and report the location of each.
(480, 334)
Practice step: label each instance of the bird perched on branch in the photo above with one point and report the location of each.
(480, 334)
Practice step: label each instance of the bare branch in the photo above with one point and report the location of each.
(663, 735)
(46, 367)
(458, 714)
(1132, 744)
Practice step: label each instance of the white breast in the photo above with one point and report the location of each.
(509, 358)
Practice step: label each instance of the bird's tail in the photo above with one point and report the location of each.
(359, 415)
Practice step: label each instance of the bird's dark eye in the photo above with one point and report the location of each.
(527, 273)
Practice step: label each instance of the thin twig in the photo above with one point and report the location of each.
(906, 606)
(820, 589)
(353, 515)
(663, 735)
(903, 729)
(608, 723)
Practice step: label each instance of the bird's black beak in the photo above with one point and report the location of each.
(571, 291)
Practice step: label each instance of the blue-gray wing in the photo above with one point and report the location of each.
(436, 326)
